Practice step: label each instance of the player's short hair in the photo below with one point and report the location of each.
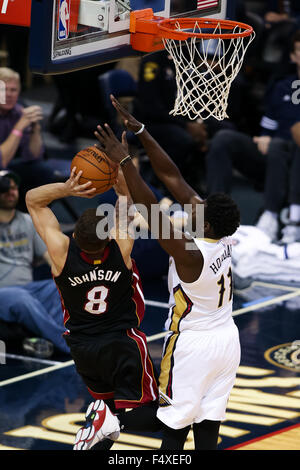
(85, 231)
(222, 213)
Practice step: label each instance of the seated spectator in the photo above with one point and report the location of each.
(235, 150)
(21, 145)
(27, 307)
(281, 186)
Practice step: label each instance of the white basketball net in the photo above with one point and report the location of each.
(203, 77)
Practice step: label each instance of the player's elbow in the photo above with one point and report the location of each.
(29, 198)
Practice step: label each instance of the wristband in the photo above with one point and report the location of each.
(17, 132)
(125, 160)
(141, 130)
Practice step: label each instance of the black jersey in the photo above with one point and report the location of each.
(99, 295)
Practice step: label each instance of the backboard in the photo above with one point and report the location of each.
(68, 35)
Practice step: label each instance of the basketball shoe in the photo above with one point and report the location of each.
(100, 424)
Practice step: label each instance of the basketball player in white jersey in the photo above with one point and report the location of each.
(202, 350)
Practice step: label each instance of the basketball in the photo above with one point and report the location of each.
(95, 167)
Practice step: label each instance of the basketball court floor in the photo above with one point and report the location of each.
(42, 402)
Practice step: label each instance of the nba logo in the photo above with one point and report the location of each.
(63, 19)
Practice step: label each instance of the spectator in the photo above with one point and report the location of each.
(282, 183)
(21, 145)
(231, 149)
(31, 308)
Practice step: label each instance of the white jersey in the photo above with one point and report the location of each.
(206, 303)
(201, 352)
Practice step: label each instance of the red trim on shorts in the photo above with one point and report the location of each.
(137, 291)
(66, 315)
(149, 387)
(101, 396)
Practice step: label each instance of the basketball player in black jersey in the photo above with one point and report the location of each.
(103, 306)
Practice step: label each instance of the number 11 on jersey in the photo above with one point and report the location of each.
(221, 282)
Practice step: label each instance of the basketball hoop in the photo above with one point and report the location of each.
(207, 53)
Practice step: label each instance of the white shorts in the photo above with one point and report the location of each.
(198, 371)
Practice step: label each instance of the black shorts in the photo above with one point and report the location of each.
(116, 365)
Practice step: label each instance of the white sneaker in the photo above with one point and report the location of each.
(268, 224)
(290, 234)
(100, 424)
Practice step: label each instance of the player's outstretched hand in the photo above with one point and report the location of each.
(74, 188)
(130, 122)
(110, 144)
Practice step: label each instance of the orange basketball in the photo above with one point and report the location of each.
(95, 167)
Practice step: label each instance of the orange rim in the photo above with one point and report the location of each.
(166, 28)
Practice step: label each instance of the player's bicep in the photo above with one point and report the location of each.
(125, 244)
(179, 188)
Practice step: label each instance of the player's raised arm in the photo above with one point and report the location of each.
(45, 222)
(123, 219)
(189, 262)
(163, 166)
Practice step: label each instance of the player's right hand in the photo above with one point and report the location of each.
(72, 187)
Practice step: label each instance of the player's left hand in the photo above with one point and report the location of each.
(110, 145)
(72, 187)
